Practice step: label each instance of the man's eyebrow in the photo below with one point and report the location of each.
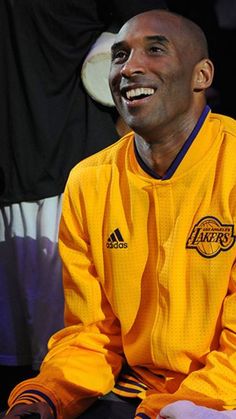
(157, 38)
(117, 45)
(151, 38)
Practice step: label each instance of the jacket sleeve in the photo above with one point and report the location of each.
(213, 385)
(85, 358)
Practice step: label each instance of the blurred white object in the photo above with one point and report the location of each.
(184, 409)
(96, 67)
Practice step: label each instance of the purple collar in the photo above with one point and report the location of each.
(170, 171)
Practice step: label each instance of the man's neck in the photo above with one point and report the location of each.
(159, 155)
(160, 151)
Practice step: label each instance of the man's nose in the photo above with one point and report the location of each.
(134, 65)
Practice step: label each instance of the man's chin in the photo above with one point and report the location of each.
(139, 127)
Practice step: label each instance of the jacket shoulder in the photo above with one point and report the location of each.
(228, 124)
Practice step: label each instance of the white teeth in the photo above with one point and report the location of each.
(148, 91)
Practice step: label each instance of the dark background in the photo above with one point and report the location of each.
(222, 47)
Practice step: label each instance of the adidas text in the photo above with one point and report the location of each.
(116, 245)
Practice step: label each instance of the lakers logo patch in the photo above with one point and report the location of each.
(209, 237)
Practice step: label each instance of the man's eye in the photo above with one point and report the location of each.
(156, 49)
(119, 55)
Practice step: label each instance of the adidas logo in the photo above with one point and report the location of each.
(116, 241)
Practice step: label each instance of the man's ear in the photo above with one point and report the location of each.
(203, 74)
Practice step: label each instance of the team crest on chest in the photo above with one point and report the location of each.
(209, 237)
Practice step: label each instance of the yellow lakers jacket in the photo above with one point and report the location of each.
(149, 278)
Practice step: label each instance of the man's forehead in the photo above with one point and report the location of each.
(149, 26)
(152, 19)
(145, 39)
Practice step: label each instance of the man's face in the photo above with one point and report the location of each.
(151, 72)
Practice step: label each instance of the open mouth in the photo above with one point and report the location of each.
(139, 93)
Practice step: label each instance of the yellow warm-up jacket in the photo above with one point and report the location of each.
(150, 279)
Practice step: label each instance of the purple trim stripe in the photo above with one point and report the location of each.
(127, 389)
(142, 415)
(135, 383)
(42, 395)
(181, 153)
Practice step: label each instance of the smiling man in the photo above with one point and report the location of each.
(160, 71)
(147, 240)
